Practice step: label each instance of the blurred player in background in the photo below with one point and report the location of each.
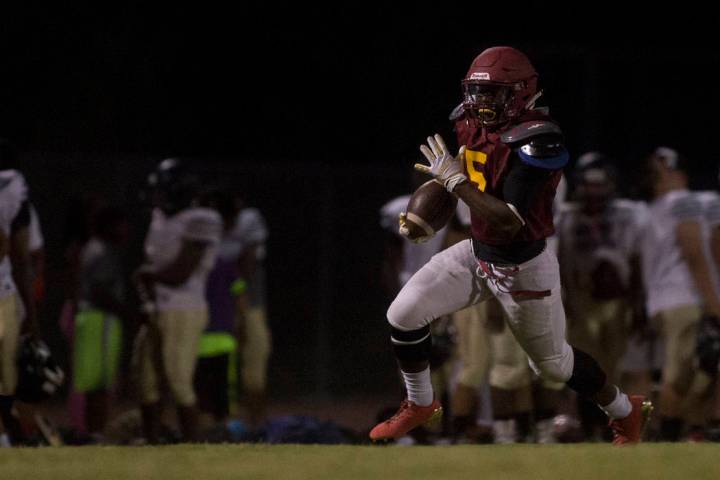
(17, 303)
(103, 310)
(246, 244)
(598, 250)
(508, 168)
(227, 304)
(679, 283)
(180, 250)
(708, 344)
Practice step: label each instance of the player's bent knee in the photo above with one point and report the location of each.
(552, 371)
(404, 314)
(411, 345)
(558, 369)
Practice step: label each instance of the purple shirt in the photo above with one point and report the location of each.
(221, 301)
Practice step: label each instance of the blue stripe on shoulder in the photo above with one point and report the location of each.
(548, 163)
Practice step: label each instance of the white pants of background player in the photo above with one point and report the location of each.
(529, 293)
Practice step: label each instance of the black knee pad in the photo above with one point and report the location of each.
(587, 377)
(413, 345)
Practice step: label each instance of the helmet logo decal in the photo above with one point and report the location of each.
(480, 76)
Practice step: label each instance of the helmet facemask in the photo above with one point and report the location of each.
(489, 103)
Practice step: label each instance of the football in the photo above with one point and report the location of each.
(429, 210)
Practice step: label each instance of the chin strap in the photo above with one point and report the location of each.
(531, 103)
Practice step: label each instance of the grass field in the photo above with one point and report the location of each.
(200, 462)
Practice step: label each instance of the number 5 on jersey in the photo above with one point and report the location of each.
(476, 176)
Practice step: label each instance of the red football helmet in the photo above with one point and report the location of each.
(500, 85)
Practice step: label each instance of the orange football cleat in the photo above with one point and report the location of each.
(409, 416)
(629, 430)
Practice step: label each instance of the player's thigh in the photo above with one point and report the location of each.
(258, 342)
(679, 327)
(538, 322)
(446, 284)
(147, 360)
(180, 332)
(9, 333)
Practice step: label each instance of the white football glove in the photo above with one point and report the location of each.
(447, 169)
(405, 231)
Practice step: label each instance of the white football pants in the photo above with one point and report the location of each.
(529, 293)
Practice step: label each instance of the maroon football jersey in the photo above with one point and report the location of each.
(487, 162)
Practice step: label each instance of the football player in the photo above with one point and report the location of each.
(598, 242)
(180, 250)
(509, 165)
(248, 242)
(679, 282)
(16, 296)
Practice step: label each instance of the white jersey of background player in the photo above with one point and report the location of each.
(710, 203)
(249, 234)
(667, 277)
(162, 245)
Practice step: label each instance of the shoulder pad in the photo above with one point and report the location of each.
(538, 143)
(543, 147)
(457, 113)
(520, 134)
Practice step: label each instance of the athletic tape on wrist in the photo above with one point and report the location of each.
(454, 181)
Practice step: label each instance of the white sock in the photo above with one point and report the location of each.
(618, 408)
(419, 387)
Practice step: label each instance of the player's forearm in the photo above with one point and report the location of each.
(493, 210)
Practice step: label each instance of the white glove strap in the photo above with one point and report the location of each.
(454, 181)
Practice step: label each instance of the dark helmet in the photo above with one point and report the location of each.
(174, 188)
(500, 85)
(39, 376)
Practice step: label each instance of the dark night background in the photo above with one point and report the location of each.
(316, 116)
